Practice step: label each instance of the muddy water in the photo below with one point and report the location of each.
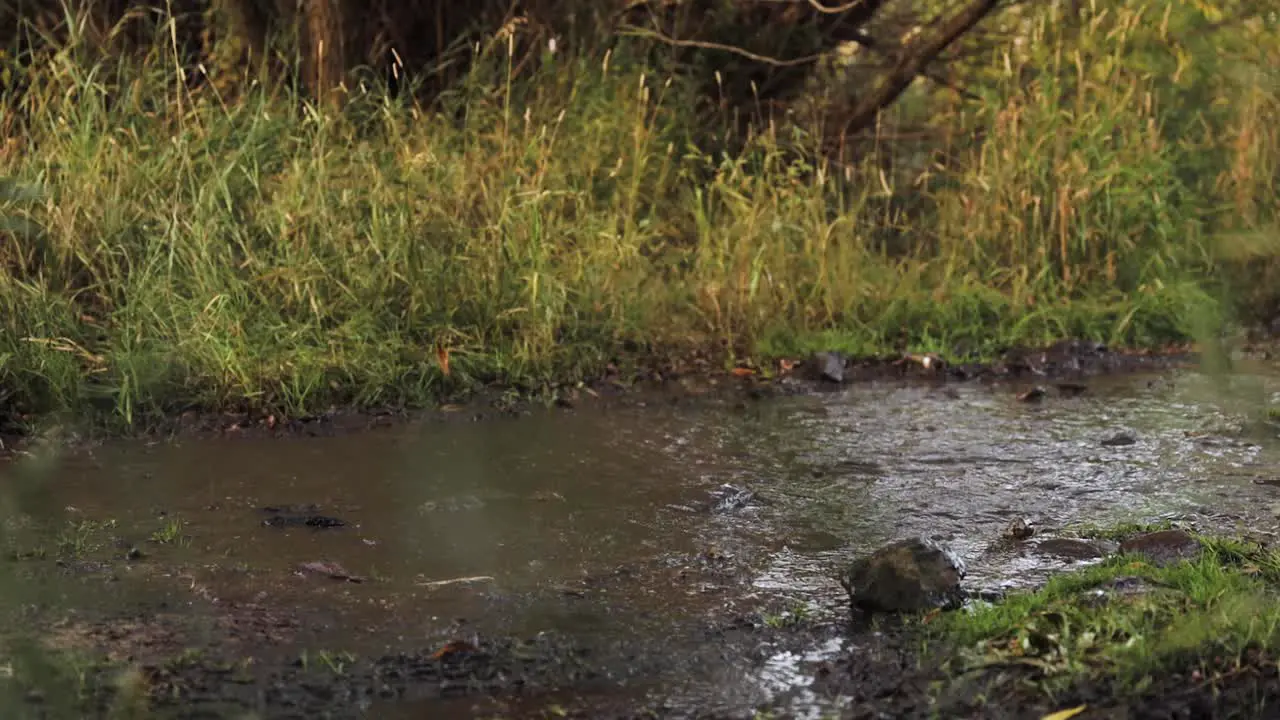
(621, 524)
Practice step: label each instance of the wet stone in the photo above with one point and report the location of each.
(988, 594)
(311, 521)
(1120, 439)
(828, 366)
(1164, 547)
(906, 576)
(731, 498)
(1035, 394)
(1073, 549)
(1019, 529)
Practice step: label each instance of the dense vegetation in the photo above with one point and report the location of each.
(203, 231)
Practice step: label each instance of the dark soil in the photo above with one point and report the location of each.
(245, 670)
(882, 676)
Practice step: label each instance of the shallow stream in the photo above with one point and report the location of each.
(655, 524)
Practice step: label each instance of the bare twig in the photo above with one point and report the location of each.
(835, 10)
(776, 62)
(861, 39)
(825, 9)
(870, 43)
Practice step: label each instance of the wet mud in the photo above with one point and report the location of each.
(672, 551)
(1059, 368)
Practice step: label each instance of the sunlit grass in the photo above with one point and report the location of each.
(1221, 605)
(176, 248)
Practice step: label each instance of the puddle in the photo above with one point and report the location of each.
(652, 528)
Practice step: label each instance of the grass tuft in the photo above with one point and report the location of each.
(1127, 620)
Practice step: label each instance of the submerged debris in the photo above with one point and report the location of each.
(732, 498)
(299, 516)
(1035, 394)
(331, 570)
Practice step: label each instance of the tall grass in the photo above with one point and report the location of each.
(190, 249)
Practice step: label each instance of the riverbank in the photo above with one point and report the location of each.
(1031, 374)
(1159, 634)
(170, 248)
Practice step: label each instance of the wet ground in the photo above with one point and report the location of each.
(674, 555)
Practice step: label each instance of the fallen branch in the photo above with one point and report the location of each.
(858, 37)
(871, 44)
(919, 54)
(701, 44)
(455, 581)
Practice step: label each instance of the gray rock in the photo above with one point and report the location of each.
(906, 576)
(1019, 529)
(1164, 547)
(1120, 439)
(828, 366)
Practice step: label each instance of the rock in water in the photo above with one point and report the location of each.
(1120, 439)
(828, 366)
(906, 576)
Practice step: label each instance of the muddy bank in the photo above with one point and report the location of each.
(909, 666)
(542, 676)
(1031, 372)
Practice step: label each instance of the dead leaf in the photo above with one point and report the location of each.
(742, 372)
(1064, 714)
(452, 648)
(442, 356)
(928, 361)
